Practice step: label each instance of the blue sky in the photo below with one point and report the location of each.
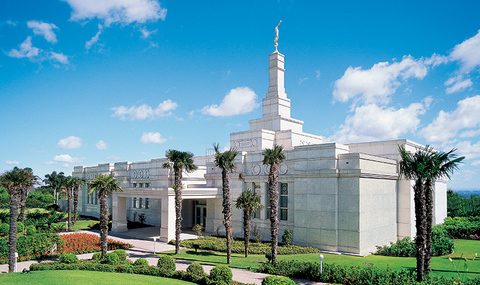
(84, 82)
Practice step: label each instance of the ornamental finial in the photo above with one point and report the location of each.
(276, 36)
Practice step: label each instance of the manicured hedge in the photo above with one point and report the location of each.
(461, 227)
(127, 267)
(238, 246)
(351, 275)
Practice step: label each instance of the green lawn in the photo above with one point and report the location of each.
(440, 265)
(62, 277)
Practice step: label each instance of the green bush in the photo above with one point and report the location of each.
(166, 262)
(277, 280)
(97, 256)
(122, 255)
(4, 229)
(287, 236)
(196, 269)
(31, 230)
(110, 258)
(20, 227)
(39, 200)
(461, 227)
(221, 273)
(140, 262)
(350, 275)
(68, 258)
(35, 246)
(441, 245)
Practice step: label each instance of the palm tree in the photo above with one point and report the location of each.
(249, 201)
(30, 181)
(67, 188)
(425, 166)
(105, 185)
(443, 165)
(225, 161)
(14, 180)
(77, 183)
(180, 161)
(273, 157)
(54, 180)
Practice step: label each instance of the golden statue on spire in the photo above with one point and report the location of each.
(276, 35)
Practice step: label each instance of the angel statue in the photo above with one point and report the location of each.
(276, 35)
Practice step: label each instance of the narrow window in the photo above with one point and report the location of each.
(283, 201)
(140, 203)
(135, 202)
(147, 204)
(257, 190)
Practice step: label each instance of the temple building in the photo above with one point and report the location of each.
(345, 198)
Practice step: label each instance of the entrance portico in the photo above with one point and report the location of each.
(165, 199)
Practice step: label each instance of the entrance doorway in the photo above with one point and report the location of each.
(201, 213)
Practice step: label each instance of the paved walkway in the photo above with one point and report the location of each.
(143, 246)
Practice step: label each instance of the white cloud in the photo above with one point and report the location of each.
(101, 145)
(372, 122)
(94, 39)
(447, 124)
(435, 60)
(117, 11)
(476, 163)
(12, 162)
(469, 150)
(68, 159)
(11, 23)
(43, 29)
(113, 157)
(152, 137)
(317, 74)
(70, 143)
(468, 53)
(144, 111)
(240, 100)
(301, 80)
(60, 57)
(470, 133)
(26, 50)
(457, 84)
(146, 33)
(376, 84)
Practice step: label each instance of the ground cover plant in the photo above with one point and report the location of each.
(219, 244)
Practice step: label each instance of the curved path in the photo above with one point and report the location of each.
(143, 247)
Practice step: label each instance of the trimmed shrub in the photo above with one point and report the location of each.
(221, 273)
(166, 263)
(4, 229)
(68, 258)
(122, 255)
(97, 256)
(277, 280)
(287, 236)
(111, 259)
(140, 262)
(196, 269)
(31, 230)
(20, 227)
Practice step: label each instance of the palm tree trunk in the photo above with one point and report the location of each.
(273, 193)
(69, 207)
(420, 223)
(12, 234)
(428, 223)
(178, 209)
(75, 205)
(246, 229)
(103, 221)
(227, 213)
(23, 201)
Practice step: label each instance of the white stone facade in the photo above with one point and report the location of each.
(336, 197)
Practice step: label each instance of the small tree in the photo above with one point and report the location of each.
(273, 157)
(249, 202)
(225, 161)
(105, 185)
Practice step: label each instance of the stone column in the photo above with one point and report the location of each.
(119, 214)
(167, 229)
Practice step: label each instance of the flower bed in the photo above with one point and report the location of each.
(69, 243)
